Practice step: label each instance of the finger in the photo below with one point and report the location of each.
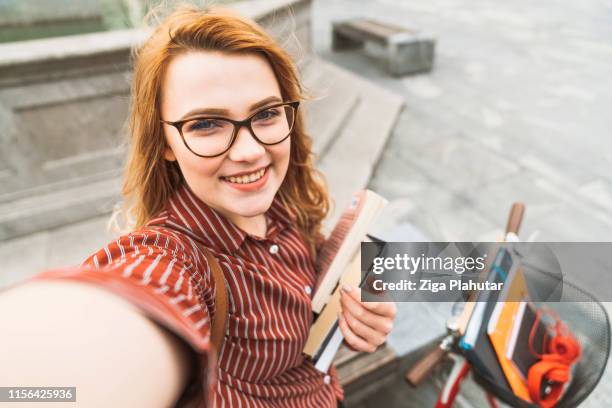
(343, 328)
(367, 333)
(353, 292)
(386, 309)
(348, 345)
(381, 308)
(351, 338)
(379, 323)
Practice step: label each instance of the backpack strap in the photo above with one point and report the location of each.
(219, 322)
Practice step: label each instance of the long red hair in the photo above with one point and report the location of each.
(149, 179)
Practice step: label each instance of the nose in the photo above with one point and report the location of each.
(245, 147)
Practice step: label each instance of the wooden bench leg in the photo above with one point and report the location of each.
(343, 42)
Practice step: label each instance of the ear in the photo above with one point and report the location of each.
(169, 154)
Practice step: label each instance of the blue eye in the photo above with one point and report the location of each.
(202, 124)
(267, 114)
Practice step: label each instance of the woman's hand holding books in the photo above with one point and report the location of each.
(364, 325)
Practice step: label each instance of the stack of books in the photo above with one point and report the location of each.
(339, 263)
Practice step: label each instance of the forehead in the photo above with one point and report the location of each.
(212, 79)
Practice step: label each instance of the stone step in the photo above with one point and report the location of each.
(54, 209)
(70, 244)
(350, 160)
(334, 97)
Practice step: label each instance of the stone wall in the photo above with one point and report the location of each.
(63, 105)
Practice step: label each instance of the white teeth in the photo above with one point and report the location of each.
(248, 178)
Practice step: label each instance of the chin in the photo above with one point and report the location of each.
(251, 209)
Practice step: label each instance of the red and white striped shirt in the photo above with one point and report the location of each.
(161, 268)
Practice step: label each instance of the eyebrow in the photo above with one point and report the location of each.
(225, 112)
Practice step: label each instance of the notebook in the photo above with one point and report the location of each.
(505, 317)
(518, 352)
(475, 343)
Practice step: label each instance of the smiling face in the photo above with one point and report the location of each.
(242, 182)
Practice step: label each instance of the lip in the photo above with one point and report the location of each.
(254, 186)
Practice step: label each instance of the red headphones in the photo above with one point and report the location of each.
(546, 379)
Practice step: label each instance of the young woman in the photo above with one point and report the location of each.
(219, 159)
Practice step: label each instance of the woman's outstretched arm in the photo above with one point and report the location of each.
(63, 333)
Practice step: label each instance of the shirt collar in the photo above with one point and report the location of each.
(213, 228)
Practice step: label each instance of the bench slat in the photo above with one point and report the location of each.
(384, 29)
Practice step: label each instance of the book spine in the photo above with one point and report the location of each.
(327, 356)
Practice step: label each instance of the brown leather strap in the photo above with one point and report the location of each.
(219, 322)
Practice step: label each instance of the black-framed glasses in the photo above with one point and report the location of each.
(211, 136)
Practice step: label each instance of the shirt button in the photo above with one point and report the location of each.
(327, 379)
(273, 249)
(307, 289)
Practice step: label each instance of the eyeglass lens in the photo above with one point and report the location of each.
(211, 136)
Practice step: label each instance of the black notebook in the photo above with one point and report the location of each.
(518, 345)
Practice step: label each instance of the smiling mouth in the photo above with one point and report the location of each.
(246, 178)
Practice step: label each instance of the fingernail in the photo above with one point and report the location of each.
(346, 287)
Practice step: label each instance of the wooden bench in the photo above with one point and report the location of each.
(408, 51)
(364, 374)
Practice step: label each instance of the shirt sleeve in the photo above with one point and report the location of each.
(158, 274)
